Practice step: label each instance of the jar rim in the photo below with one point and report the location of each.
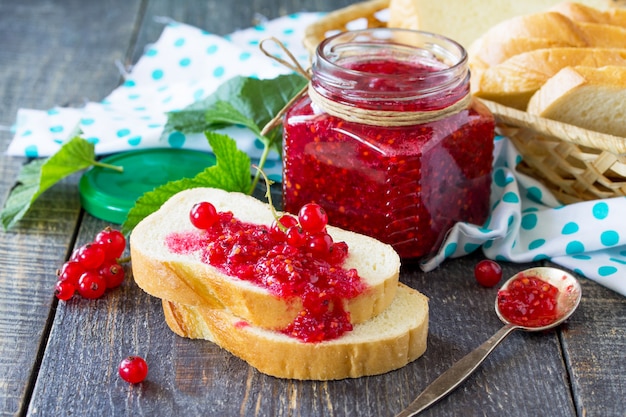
(440, 45)
(444, 65)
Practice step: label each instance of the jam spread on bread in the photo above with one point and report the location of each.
(263, 256)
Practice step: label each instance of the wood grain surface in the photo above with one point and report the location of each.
(60, 359)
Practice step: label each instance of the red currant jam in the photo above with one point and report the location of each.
(403, 184)
(252, 253)
(529, 301)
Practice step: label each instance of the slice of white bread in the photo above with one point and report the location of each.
(186, 279)
(387, 342)
(591, 98)
(466, 20)
(515, 80)
(592, 14)
(540, 30)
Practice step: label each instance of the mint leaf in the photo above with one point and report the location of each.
(231, 173)
(41, 174)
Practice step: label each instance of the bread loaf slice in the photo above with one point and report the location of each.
(579, 12)
(591, 98)
(522, 34)
(186, 279)
(389, 341)
(515, 80)
(466, 20)
(537, 31)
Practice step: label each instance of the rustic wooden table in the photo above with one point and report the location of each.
(60, 359)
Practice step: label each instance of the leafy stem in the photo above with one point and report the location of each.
(108, 166)
(259, 169)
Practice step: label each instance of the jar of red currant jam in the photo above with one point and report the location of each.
(389, 140)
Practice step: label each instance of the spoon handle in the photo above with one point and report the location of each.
(453, 377)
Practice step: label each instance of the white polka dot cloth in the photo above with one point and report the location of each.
(187, 64)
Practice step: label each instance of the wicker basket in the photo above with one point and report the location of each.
(575, 164)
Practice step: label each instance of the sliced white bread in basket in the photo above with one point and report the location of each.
(577, 11)
(391, 340)
(515, 80)
(185, 278)
(537, 31)
(592, 98)
(466, 20)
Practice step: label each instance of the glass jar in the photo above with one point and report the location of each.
(389, 140)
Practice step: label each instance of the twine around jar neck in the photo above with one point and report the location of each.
(383, 118)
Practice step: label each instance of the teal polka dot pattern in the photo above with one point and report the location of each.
(31, 151)
(176, 139)
(574, 247)
(450, 248)
(510, 197)
(605, 271)
(570, 228)
(529, 221)
(600, 210)
(609, 238)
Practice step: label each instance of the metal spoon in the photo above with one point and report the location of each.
(569, 298)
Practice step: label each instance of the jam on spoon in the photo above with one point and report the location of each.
(533, 300)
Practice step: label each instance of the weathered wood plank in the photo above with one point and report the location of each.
(52, 53)
(595, 350)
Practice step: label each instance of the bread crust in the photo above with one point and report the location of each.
(514, 81)
(540, 31)
(385, 343)
(186, 279)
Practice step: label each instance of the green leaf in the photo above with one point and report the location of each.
(41, 174)
(224, 112)
(255, 100)
(231, 173)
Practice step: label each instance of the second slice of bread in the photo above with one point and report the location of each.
(186, 279)
(387, 342)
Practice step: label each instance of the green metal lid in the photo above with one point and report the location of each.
(109, 195)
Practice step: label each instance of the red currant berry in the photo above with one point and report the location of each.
(279, 227)
(91, 255)
(64, 290)
(203, 215)
(312, 218)
(91, 285)
(296, 236)
(320, 244)
(71, 272)
(113, 274)
(113, 242)
(338, 253)
(133, 369)
(488, 273)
